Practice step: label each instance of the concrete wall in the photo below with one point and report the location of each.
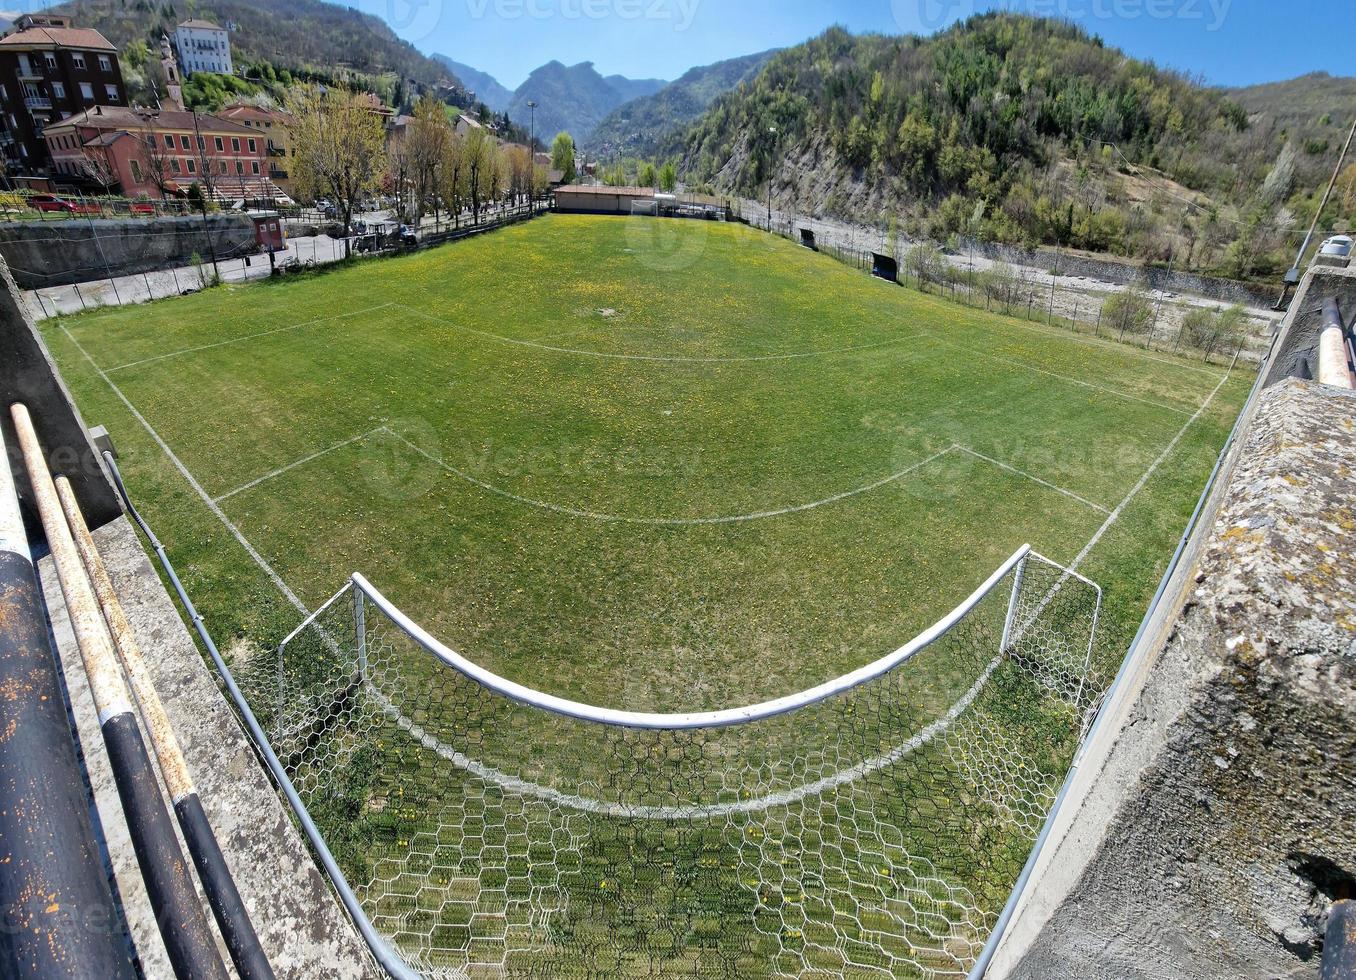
(1300, 341)
(28, 375)
(1208, 834)
(55, 253)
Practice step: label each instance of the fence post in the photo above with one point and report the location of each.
(360, 628)
(80, 296)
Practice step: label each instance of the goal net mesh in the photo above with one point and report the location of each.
(876, 833)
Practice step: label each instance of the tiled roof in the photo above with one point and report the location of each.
(121, 117)
(58, 37)
(203, 25)
(608, 191)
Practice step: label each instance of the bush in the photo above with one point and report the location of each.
(1129, 311)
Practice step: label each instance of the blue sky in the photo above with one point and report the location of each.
(1228, 42)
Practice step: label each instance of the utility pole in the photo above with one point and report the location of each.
(532, 157)
(772, 130)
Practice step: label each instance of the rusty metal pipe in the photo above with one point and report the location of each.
(188, 939)
(54, 894)
(241, 940)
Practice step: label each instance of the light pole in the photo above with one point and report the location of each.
(772, 131)
(531, 157)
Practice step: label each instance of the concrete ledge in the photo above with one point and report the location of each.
(1223, 822)
(300, 923)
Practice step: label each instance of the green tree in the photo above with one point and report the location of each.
(648, 176)
(1129, 311)
(668, 177)
(562, 157)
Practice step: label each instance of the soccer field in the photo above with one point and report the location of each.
(655, 466)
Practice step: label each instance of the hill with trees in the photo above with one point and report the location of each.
(651, 126)
(304, 38)
(1013, 128)
(484, 86)
(575, 99)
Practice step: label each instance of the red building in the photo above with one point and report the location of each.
(143, 153)
(48, 70)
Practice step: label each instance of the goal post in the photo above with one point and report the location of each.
(644, 207)
(874, 823)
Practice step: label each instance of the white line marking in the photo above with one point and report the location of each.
(1035, 479)
(184, 471)
(1144, 480)
(238, 340)
(301, 462)
(662, 521)
(1063, 377)
(657, 358)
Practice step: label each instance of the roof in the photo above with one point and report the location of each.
(243, 110)
(601, 190)
(121, 117)
(202, 25)
(58, 37)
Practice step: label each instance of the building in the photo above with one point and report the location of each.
(273, 124)
(50, 70)
(203, 46)
(593, 199)
(169, 66)
(142, 153)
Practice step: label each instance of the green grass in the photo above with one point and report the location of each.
(537, 442)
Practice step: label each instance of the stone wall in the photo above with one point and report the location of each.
(55, 253)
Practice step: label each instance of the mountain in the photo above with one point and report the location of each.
(1015, 128)
(651, 126)
(302, 36)
(574, 99)
(483, 85)
(1315, 110)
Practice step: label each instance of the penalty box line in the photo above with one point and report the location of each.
(240, 340)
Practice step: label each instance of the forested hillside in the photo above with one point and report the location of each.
(652, 126)
(301, 37)
(483, 85)
(1014, 128)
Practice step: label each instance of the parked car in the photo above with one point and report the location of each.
(1338, 245)
(407, 236)
(50, 202)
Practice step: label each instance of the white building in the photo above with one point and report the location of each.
(203, 46)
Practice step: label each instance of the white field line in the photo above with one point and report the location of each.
(667, 521)
(1035, 479)
(1144, 480)
(301, 462)
(212, 505)
(655, 358)
(239, 340)
(1116, 392)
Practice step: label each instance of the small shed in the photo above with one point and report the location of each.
(885, 267)
(595, 199)
(807, 238)
(268, 231)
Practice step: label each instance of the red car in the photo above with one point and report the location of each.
(50, 202)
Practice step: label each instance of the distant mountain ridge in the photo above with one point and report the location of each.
(652, 126)
(482, 84)
(574, 99)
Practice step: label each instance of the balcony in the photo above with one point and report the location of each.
(276, 151)
(276, 174)
(37, 102)
(30, 75)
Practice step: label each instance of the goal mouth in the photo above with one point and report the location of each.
(874, 822)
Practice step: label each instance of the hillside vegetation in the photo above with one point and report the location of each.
(309, 38)
(1013, 128)
(651, 126)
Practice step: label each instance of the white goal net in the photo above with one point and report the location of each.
(869, 827)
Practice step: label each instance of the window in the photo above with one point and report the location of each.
(78, 59)
(50, 58)
(223, 166)
(87, 91)
(253, 147)
(239, 167)
(174, 165)
(192, 166)
(136, 171)
(202, 144)
(221, 146)
(112, 92)
(58, 90)
(169, 141)
(184, 142)
(235, 144)
(105, 63)
(254, 168)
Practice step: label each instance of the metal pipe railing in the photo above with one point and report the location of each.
(188, 939)
(386, 957)
(222, 895)
(52, 879)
